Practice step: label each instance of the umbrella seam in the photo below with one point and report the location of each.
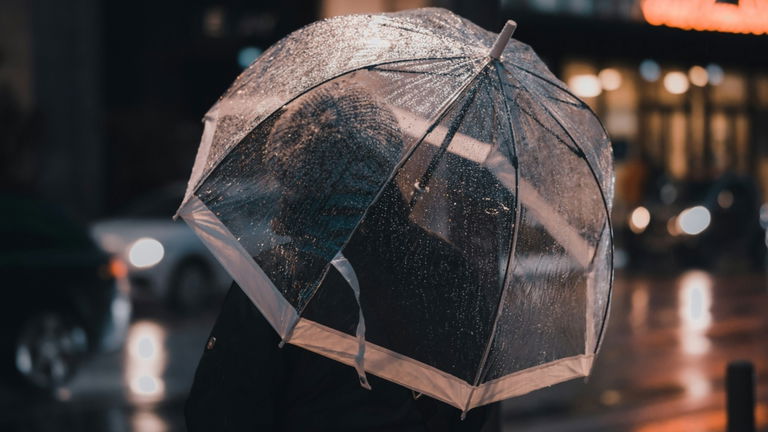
(370, 346)
(203, 221)
(422, 367)
(289, 100)
(392, 16)
(452, 130)
(555, 82)
(557, 119)
(479, 47)
(466, 71)
(512, 250)
(576, 103)
(546, 369)
(440, 115)
(563, 88)
(577, 151)
(536, 368)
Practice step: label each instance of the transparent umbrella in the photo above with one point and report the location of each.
(416, 197)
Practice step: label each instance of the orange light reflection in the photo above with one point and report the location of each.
(705, 421)
(638, 314)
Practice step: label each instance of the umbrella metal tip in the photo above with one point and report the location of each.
(503, 39)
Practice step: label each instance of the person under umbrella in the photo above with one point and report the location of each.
(480, 269)
(330, 151)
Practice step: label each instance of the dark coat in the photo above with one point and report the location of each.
(245, 382)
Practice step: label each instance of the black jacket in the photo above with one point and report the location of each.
(245, 382)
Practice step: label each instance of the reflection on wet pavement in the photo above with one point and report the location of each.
(661, 369)
(662, 365)
(145, 361)
(148, 421)
(694, 309)
(139, 388)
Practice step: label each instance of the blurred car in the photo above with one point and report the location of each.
(166, 260)
(713, 224)
(64, 297)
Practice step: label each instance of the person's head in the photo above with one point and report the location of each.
(331, 151)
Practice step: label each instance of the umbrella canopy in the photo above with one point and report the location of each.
(438, 170)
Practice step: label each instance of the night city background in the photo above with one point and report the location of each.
(100, 118)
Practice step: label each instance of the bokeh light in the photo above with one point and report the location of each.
(145, 252)
(586, 85)
(715, 73)
(650, 70)
(248, 55)
(676, 82)
(610, 79)
(639, 219)
(698, 76)
(146, 360)
(694, 220)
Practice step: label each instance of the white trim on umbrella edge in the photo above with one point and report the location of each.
(379, 361)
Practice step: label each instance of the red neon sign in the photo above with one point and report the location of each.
(749, 16)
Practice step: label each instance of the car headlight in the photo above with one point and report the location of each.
(694, 220)
(145, 252)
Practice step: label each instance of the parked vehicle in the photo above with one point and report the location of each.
(166, 261)
(698, 224)
(64, 297)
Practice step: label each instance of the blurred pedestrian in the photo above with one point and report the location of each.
(330, 152)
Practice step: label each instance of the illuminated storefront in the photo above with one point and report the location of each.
(684, 97)
(688, 105)
(732, 16)
(696, 122)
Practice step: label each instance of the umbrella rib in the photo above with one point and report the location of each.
(301, 93)
(441, 113)
(577, 151)
(577, 104)
(478, 152)
(408, 29)
(552, 82)
(510, 259)
(557, 119)
(415, 72)
(414, 30)
(581, 153)
(421, 184)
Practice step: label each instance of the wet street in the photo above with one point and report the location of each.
(663, 362)
(662, 367)
(141, 388)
